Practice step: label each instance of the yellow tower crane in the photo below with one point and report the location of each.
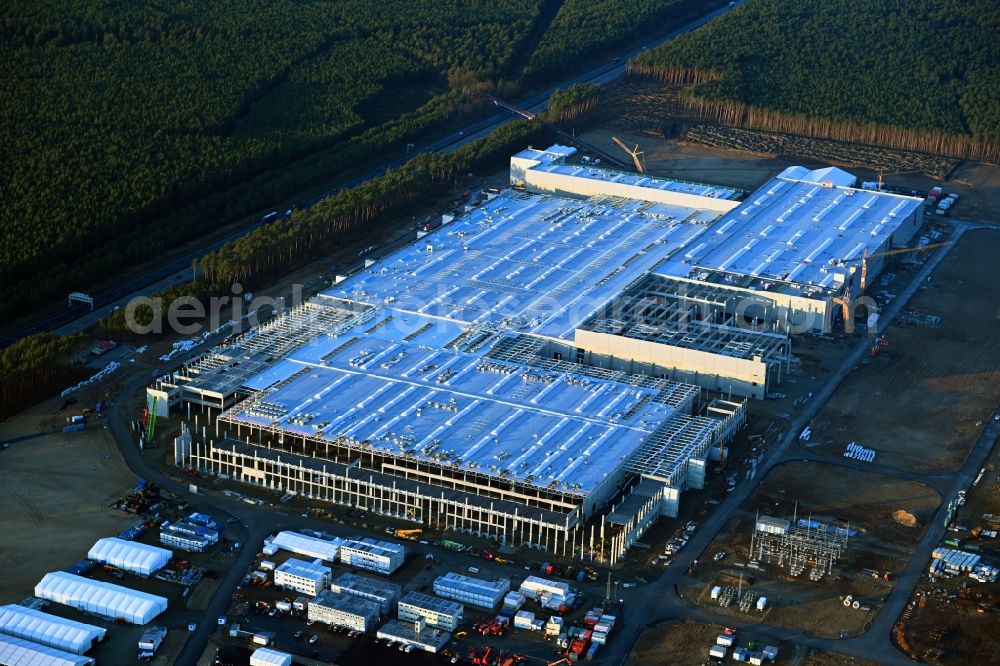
(846, 301)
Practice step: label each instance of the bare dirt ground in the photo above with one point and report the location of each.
(831, 495)
(643, 112)
(688, 162)
(921, 402)
(820, 658)
(686, 644)
(54, 495)
(942, 624)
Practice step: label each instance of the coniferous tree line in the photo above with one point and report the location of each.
(32, 368)
(335, 221)
(913, 74)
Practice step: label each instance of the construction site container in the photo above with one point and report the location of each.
(716, 591)
(770, 652)
(592, 651)
(524, 619)
(717, 652)
(513, 600)
(76, 427)
(267, 565)
(725, 640)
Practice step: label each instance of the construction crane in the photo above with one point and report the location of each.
(846, 301)
(881, 172)
(887, 253)
(636, 154)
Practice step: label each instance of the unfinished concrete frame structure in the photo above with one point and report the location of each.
(535, 370)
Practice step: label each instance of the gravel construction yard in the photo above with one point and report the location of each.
(833, 659)
(833, 495)
(54, 496)
(943, 624)
(921, 402)
(645, 112)
(686, 644)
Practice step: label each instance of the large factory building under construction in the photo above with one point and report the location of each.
(551, 368)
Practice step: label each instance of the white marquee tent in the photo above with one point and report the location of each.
(112, 601)
(303, 545)
(19, 652)
(129, 555)
(268, 657)
(46, 629)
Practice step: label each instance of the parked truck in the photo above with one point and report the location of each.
(150, 641)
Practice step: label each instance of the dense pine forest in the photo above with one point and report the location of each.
(915, 74)
(129, 128)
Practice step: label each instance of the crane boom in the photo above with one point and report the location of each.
(634, 152)
(846, 301)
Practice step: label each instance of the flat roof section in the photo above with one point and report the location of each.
(365, 585)
(642, 180)
(373, 547)
(465, 411)
(552, 153)
(303, 569)
(346, 603)
(523, 262)
(434, 604)
(479, 586)
(797, 232)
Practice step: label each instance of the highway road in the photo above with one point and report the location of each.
(80, 317)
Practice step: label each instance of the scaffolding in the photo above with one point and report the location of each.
(215, 377)
(798, 545)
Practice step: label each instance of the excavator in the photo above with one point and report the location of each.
(845, 299)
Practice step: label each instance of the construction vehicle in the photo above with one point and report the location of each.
(460, 635)
(409, 535)
(846, 301)
(489, 627)
(481, 658)
(878, 345)
(560, 662)
(637, 155)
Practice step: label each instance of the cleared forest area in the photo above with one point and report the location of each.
(915, 75)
